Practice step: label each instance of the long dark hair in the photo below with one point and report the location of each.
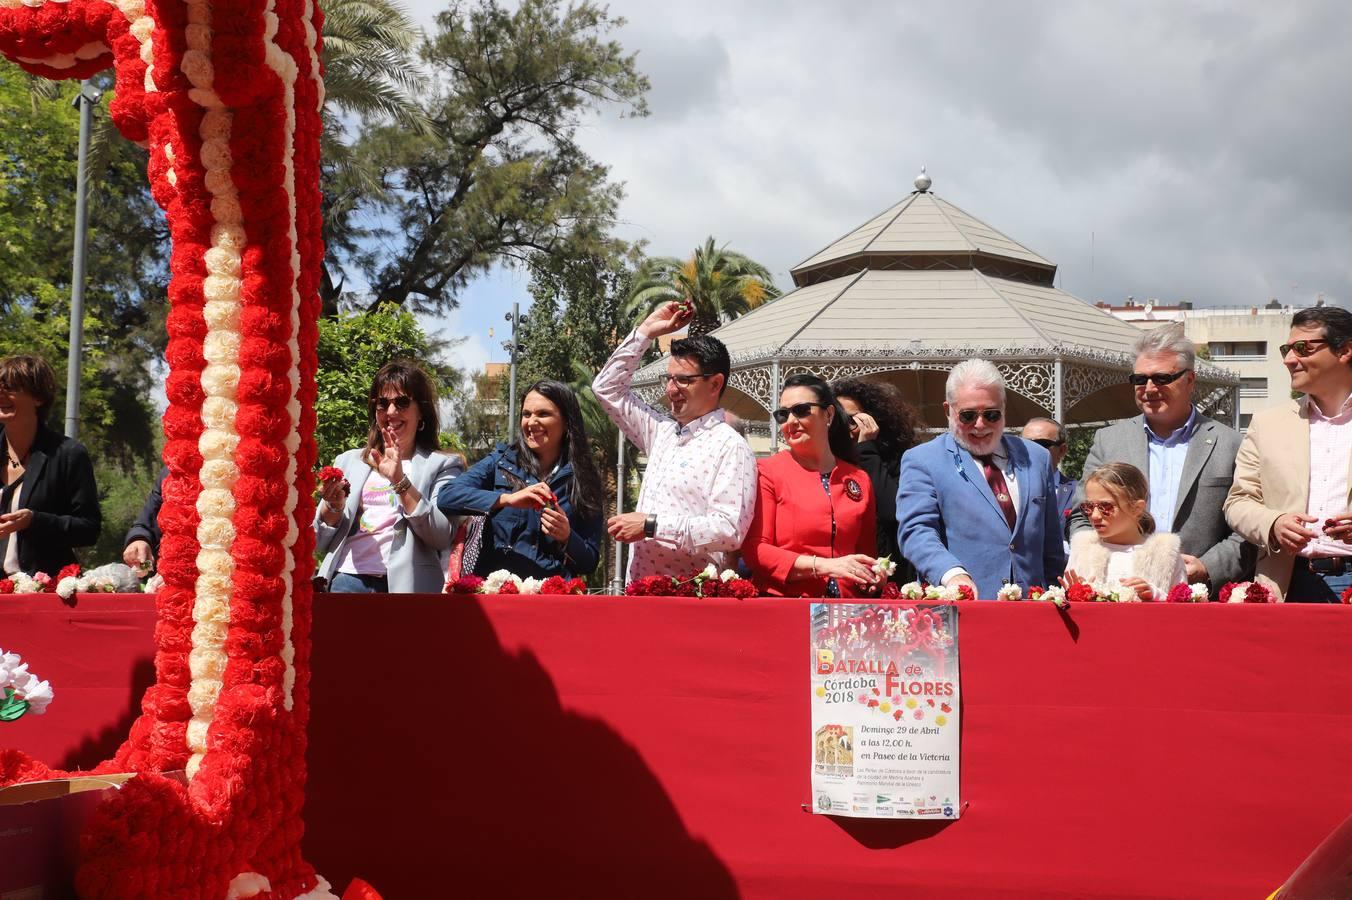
(584, 489)
(406, 377)
(837, 433)
(897, 419)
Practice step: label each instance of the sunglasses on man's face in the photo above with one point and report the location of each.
(968, 416)
(1159, 379)
(401, 403)
(1049, 443)
(1302, 348)
(798, 411)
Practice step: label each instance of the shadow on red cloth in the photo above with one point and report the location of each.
(409, 789)
(94, 749)
(884, 834)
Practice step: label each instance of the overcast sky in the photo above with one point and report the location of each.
(1205, 147)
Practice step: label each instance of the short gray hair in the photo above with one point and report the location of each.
(975, 372)
(1167, 339)
(1060, 429)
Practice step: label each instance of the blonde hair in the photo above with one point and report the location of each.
(1123, 480)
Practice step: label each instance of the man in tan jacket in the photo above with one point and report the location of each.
(1292, 493)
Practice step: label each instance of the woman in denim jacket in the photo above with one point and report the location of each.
(542, 495)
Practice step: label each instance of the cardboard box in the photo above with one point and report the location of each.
(40, 826)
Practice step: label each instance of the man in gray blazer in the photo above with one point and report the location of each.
(1188, 458)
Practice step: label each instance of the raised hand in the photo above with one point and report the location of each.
(865, 427)
(668, 317)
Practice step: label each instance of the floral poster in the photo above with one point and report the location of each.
(885, 711)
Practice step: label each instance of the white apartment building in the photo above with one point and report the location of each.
(1243, 339)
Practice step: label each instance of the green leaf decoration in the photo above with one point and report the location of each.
(12, 708)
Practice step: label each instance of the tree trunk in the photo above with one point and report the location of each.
(703, 323)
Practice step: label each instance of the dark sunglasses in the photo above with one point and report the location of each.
(1049, 443)
(1107, 507)
(1159, 379)
(401, 403)
(1302, 348)
(682, 380)
(968, 416)
(798, 411)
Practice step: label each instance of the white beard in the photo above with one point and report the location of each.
(988, 446)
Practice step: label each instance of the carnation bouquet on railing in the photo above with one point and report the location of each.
(504, 582)
(20, 690)
(915, 590)
(708, 582)
(114, 578)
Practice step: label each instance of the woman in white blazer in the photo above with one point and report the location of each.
(378, 526)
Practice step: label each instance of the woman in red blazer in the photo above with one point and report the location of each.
(813, 534)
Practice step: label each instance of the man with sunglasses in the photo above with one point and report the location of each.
(1188, 459)
(976, 507)
(699, 491)
(1293, 481)
(1051, 435)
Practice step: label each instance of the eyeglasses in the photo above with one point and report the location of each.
(1049, 443)
(851, 423)
(798, 411)
(401, 403)
(968, 416)
(682, 380)
(1159, 379)
(1302, 348)
(1107, 507)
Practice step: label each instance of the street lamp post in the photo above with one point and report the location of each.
(85, 101)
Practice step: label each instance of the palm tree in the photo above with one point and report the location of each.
(721, 283)
(369, 73)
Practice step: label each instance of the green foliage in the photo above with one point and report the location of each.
(1078, 442)
(722, 283)
(352, 348)
(500, 176)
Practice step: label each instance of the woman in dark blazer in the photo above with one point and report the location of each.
(49, 504)
(885, 426)
(542, 495)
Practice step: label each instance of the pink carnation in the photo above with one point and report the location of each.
(1179, 593)
(44, 582)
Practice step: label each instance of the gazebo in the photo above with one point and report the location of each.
(919, 288)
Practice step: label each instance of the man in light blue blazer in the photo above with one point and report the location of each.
(976, 506)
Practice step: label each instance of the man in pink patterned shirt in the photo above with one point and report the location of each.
(699, 492)
(1292, 493)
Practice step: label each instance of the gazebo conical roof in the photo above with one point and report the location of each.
(921, 287)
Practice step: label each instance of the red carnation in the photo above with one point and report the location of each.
(1080, 593)
(1179, 593)
(330, 473)
(466, 584)
(891, 591)
(710, 588)
(1036, 591)
(508, 587)
(577, 586)
(740, 588)
(1347, 596)
(1258, 593)
(70, 571)
(554, 584)
(6, 586)
(685, 588)
(965, 592)
(1224, 595)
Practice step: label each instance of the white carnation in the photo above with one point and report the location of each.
(530, 585)
(710, 571)
(1200, 594)
(66, 587)
(728, 575)
(912, 590)
(1009, 592)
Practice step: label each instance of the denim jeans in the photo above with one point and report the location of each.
(1310, 587)
(347, 583)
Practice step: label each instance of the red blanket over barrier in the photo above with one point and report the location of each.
(635, 747)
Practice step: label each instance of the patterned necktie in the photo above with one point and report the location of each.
(996, 479)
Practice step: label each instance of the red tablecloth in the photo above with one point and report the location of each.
(642, 747)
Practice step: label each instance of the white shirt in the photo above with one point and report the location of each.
(701, 478)
(1330, 450)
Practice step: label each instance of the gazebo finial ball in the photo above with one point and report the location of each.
(922, 181)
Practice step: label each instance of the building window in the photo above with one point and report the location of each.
(1253, 387)
(1252, 350)
(1244, 420)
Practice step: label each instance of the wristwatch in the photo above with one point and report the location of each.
(650, 526)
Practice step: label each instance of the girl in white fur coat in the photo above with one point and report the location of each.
(1123, 546)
